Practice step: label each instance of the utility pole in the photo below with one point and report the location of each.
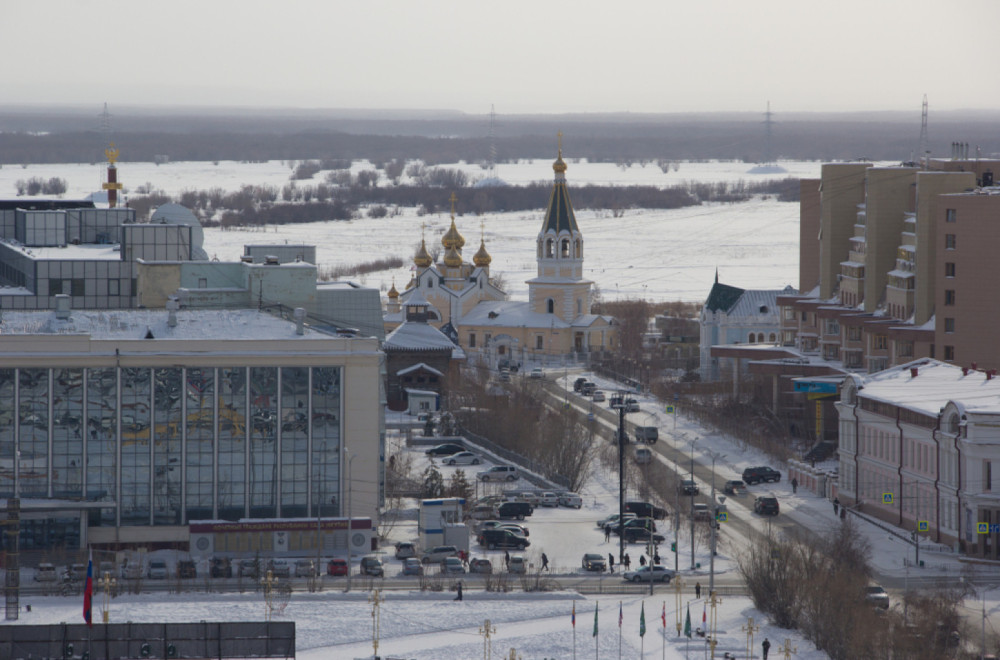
(621, 476)
(715, 523)
(691, 509)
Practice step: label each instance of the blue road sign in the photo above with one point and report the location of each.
(982, 528)
(923, 525)
(886, 498)
(723, 516)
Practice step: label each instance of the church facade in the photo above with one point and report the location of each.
(554, 323)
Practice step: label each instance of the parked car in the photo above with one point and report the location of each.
(615, 435)
(688, 487)
(534, 499)
(642, 535)
(594, 562)
(412, 566)
(405, 549)
(336, 567)
(519, 510)
(305, 568)
(77, 571)
(647, 434)
(514, 527)
(537, 373)
(517, 565)
(499, 473)
(438, 552)
(645, 510)
(187, 569)
(486, 524)
(503, 538)
(452, 566)
(570, 500)
(877, 596)
(643, 455)
(220, 567)
(734, 487)
(549, 498)
(578, 383)
(157, 570)
(484, 512)
(371, 565)
(611, 520)
(484, 566)
(654, 573)
(766, 506)
(633, 523)
(700, 512)
(820, 452)
(505, 375)
(756, 475)
(46, 573)
(105, 567)
(446, 449)
(249, 568)
(598, 396)
(462, 458)
(279, 568)
(631, 405)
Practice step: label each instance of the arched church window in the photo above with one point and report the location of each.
(579, 306)
(772, 338)
(751, 338)
(760, 337)
(550, 306)
(578, 249)
(564, 249)
(549, 248)
(953, 423)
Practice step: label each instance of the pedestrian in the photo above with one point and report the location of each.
(843, 513)
(611, 563)
(697, 589)
(642, 560)
(766, 646)
(506, 559)
(545, 562)
(656, 557)
(795, 485)
(836, 505)
(627, 561)
(459, 596)
(607, 533)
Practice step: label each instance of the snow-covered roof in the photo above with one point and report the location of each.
(515, 314)
(412, 392)
(587, 320)
(83, 252)
(759, 302)
(935, 384)
(417, 367)
(412, 336)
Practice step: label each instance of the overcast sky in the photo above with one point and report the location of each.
(519, 55)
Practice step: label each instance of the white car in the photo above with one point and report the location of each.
(655, 573)
(499, 473)
(462, 458)
(571, 500)
(537, 373)
(549, 499)
(598, 396)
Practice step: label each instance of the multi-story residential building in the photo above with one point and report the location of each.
(917, 446)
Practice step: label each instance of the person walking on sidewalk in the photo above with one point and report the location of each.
(607, 533)
(627, 561)
(765, 646)
(545, 562)
(459, 596)
(697, 589)
(611, 563)
(795, 485)
(836, 505)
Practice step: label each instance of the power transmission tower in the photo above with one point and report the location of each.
(493, 145)
(768, 158)
(923, 132)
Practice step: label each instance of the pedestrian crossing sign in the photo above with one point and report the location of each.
(923, 526)
(886, 498)
(723, 516)
(670, 409)
(982, 528)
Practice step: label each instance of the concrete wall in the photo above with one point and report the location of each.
(843, 189)
(891, 194)
(809, 223)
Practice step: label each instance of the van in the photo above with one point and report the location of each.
(46, 573)
(502, 538)
(647, 434)
(519, 510)
(499, 473)
(157, 570)
(643, 455)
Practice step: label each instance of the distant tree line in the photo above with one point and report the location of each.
(39, 186)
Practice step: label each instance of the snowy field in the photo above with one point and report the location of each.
(657, 255)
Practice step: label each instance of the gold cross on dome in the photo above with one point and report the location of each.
(453, 199)
(560, 143)
(482, 230)
(423, 228)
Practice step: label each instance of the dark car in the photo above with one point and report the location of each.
(220, 567)
(766, 506)
(641, 535)
(578, 383)
(594, 562)
(635, 523)
(372, 566)
(503, 538)
(688, 487)
(645, 510)
(447, 449)
(760, 474)
(519, 510)
(186, 569)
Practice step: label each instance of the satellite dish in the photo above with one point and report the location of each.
(175, 214)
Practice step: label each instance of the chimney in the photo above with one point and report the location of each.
(300, 317)
(172, 306)
(965, 371)
(989, 375)
(62, 306)
(974, 366)
(913, 372)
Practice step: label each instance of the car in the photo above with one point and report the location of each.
(578, 383)
(249, 568)
(645, 510)
(877, 596)
(46, 573)
(635, 523)
(371, 565)
(337, 567)
(305, 568)
(462, 458)
(549, 498)
(405, 549)
(688, 487)
(412, 566)
(484, 566)
(616, 435)
(570, 500)
(647, 434)
(107, 567)
(760, 474)
(612, 519)
(588, 388)
(598, 396)
(631, 405)
(446, 449)
(187, 569)
(437, 553)
(157, 570)
(499, 473)
(654, 573)
(700, 512)
(505, 375)
(616, 401)
(642, 535)
(493, 539)
(519, 510)
(452, 566)
(279, 568)
(537, 373)
(593, 561)
(483, 512)
(517, 565)
(643, 455)
(734, 487)
(514, 527)
(486, 524)
(766, 506)
(220, 567)
(534, 499)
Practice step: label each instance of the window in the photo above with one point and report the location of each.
(949, 353)
(550, 306)
(564, 250)
(949, 241)
(472, 340)
(430, 282)
(987, 475)
(751, 339)
(113, 287)
(949, 215)
(949, 269)
(949, 296)
(949, 325)
(202, 283)
(880, 342)
(549, 247)
(539, 342)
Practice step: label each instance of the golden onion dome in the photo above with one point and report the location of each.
(422, 258)
(393, 294)
(482, 258)
(559, 166)
(452, 258)
(452, 238)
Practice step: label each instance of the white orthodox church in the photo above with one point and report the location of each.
(555, 321)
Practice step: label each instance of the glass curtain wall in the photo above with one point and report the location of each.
(136, 416)
(200, 442)
(167, 426)
(232, 443)
(7, 387)
(326, 441)
(67, 433)
(33, 442)
(102, 450)
(264, 442)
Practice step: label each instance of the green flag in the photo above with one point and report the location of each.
(595, 620)
(687, 623)
(642, 620)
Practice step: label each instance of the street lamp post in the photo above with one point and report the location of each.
(715, 522)
(350, 521)
(692, 506)
(621, 476)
